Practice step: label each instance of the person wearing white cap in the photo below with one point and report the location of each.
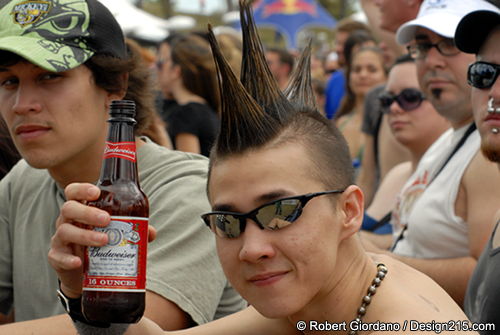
(479, 33)
(443, 217)
(295, 257)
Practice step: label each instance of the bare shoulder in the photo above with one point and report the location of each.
(385, 197)
(481, 170)
(477, 201)
(399, 174)
(408, 294)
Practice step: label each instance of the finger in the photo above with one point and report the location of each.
(82, 192)
(151, 233)
(63, 260)
(69, 269)
(68, 234)
(73, 211)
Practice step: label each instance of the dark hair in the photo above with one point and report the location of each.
(356, 38)
(110, 74)
(285, 57)
(192, 54)
(8, 58)
(349, 100)
(255, 113)
(405, 58)
(8, 152)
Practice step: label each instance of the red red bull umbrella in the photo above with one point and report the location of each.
(289, 17)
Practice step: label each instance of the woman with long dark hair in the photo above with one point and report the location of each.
(186, 73)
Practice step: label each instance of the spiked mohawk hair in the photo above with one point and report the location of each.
(255, 112)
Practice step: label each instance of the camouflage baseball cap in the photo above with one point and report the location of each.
(59, 35)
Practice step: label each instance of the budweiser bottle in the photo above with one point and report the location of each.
(115, 274)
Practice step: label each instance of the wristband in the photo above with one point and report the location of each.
(73, 306)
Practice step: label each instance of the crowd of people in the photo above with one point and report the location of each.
(357, 189)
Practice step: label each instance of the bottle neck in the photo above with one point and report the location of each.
(120, 155)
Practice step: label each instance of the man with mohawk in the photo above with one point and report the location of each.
(285, 230)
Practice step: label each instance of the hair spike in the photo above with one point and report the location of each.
(254, 65)
(299, 90)
(256, 114)
(239, 124)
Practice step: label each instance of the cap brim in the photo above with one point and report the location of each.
(49, 55)
(474, 28)
(441, 23)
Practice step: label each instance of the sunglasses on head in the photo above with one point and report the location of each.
(273, 215)
(408, 99)
(482, 74)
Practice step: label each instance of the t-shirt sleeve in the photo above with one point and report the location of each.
(6, 286)
(182, 262)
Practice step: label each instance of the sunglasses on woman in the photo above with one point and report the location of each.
(273, 215)
(408, 99)
(482, 74)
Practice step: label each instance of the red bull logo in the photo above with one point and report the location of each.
(289, 7)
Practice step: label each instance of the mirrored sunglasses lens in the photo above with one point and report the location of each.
(225, 225)
(279, 214)
(482, 75)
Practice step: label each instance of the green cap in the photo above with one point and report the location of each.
(59, 35)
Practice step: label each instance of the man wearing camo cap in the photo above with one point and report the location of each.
(61, 64)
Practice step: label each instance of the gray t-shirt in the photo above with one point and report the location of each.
(182, 262)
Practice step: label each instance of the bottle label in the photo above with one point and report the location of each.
(125, 150)
(121, 264)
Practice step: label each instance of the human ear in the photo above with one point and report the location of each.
(352, 204)
(118, 95)
(176, 68)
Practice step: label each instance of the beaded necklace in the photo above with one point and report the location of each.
(381, 273)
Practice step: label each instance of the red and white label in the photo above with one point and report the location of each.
(125, 150)
(121, 264)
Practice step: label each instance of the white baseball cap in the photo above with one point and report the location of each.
(440, 16)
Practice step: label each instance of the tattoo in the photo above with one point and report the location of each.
(431, 304)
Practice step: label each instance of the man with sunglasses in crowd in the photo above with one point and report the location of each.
(285, 231)
(442, 219)
(62, 62)
(479, 33)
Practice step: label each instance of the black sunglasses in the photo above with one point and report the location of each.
(408, 99)
(273, 215)
(482, 74)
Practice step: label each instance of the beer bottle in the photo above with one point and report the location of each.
(115, 274)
